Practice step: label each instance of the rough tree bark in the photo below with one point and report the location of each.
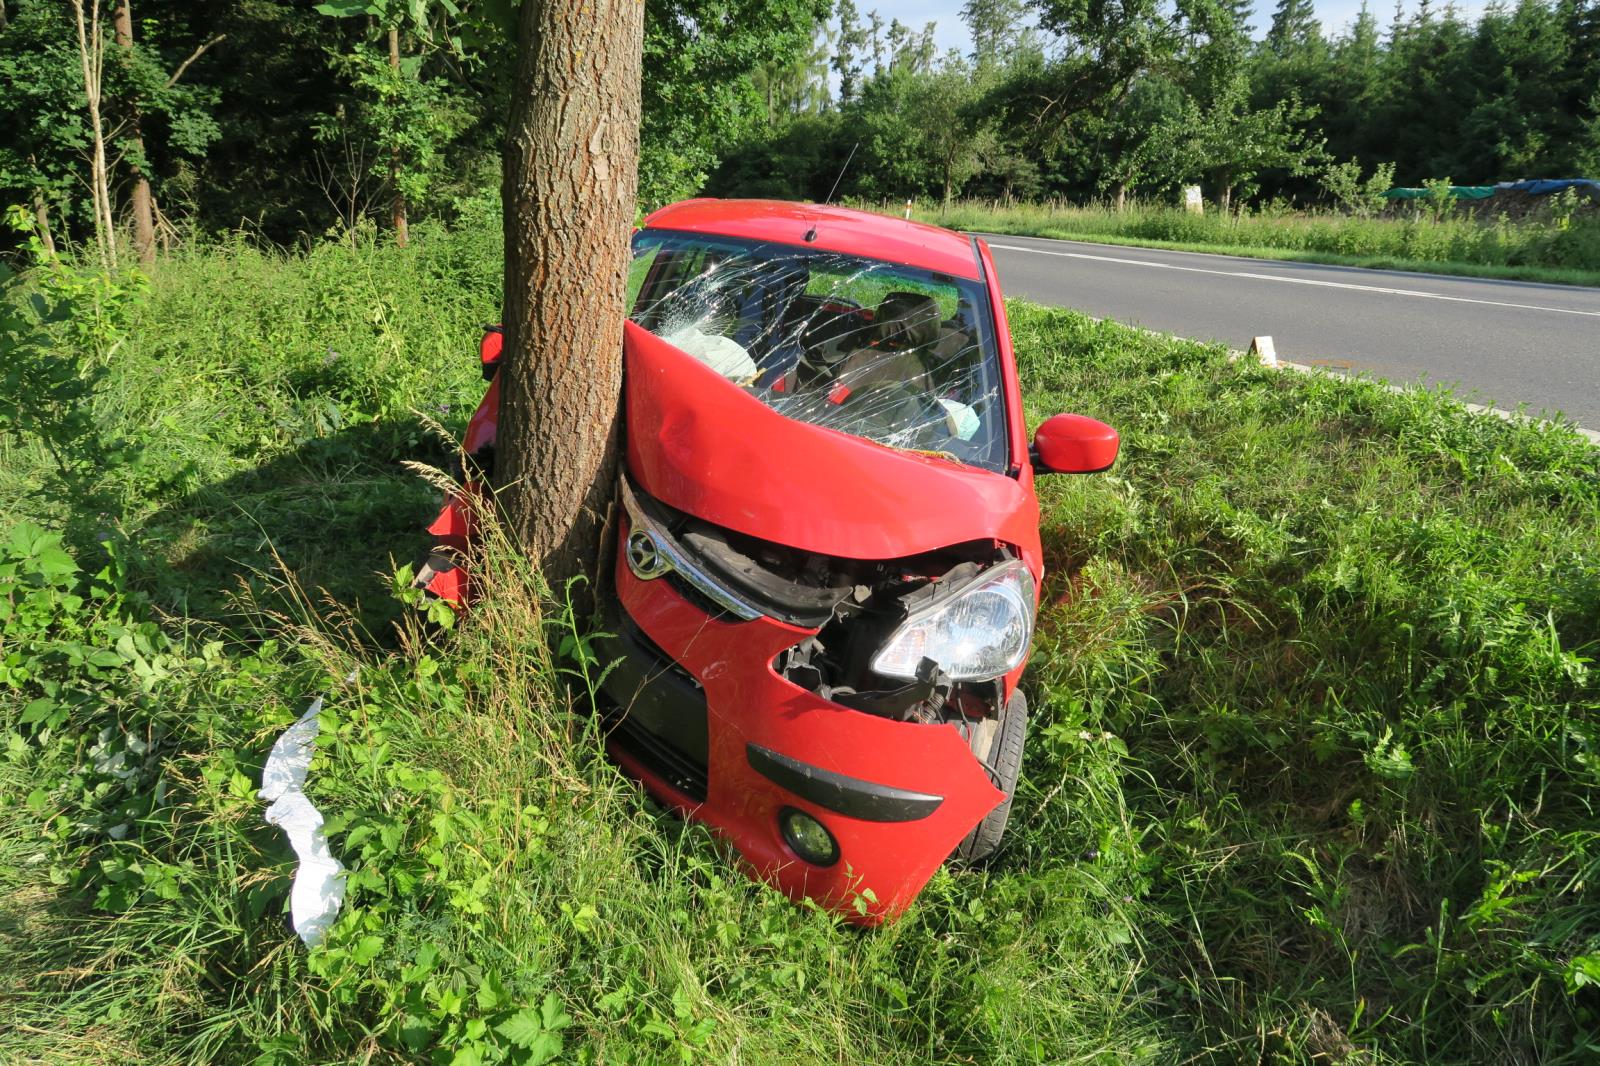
(402, 233)
(569, 187)
(143, 203)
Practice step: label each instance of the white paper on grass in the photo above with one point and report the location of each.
(318, 889)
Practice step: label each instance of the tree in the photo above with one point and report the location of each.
(569, 187)
(851, 42)
(957, 138)
(1294, 27)
(144, 212)
(1236, 142)
(404, 111)
(41, 109)
(996, 27)
(697, 97)
(1146, 142)
(797, 84)
(91, 59)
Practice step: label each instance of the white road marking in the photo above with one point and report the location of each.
(1296, 281)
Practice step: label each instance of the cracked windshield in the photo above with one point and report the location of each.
(900, 356)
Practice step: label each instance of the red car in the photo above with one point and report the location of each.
(828, 562)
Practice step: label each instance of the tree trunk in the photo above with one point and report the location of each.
(1225, 192)
(570, 182)
(91, 57)
(401, 231)
(144, 214)
(947, 190)
(1120, 189)
(41, 223)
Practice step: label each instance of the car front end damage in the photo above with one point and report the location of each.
(747, 709)
(827, 554)
(770, 676)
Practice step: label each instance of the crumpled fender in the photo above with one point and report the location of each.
(701, 444)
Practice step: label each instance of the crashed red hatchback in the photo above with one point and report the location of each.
(828, 561)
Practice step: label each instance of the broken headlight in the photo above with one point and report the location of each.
(976, 632)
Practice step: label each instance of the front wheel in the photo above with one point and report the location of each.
(1003, 761)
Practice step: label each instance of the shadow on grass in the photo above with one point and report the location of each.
(336, 515)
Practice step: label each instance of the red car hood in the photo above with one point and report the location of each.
(701, 444)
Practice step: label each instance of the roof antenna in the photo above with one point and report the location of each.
(842, 169)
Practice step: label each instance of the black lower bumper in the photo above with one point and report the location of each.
(656, 709)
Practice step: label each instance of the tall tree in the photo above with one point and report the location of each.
(143, 202)
(570, 186)
(42, 112)
(1294, 26)
(91, 59)
(996, 27)
(848, 48)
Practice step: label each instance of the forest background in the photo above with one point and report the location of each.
(287, 120)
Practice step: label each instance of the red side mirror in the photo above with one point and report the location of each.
(489, 349)
(1074, 444)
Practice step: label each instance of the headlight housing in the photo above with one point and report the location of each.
(978, 632)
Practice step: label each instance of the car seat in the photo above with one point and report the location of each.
(905, 323)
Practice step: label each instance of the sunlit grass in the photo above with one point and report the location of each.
(1311, 772)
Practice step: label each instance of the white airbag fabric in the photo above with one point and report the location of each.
(318, 889)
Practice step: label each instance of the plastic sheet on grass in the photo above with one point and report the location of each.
(318, 889)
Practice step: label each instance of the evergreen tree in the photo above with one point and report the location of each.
(1294, 28)
(850, 44)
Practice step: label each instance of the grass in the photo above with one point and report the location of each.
(1311, 776)
(1561, 250)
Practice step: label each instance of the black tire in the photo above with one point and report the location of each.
(1004, 763)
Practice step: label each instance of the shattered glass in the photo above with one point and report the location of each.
(898, 355)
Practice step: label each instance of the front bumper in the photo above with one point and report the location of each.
(712, 730)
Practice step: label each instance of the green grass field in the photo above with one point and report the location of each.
(1556, 248)
(1312, 775)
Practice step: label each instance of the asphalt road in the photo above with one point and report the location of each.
(1500, 343)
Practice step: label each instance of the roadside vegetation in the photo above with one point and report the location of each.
(1560, 243)
(1312, 776)
(292, 121)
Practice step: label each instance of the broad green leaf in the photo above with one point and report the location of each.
(37, 711)
(523, 1028)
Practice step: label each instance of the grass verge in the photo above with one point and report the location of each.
(1311, 779)
(1537, 250)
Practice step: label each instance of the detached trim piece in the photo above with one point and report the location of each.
(849, 796)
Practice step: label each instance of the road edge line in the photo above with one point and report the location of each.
(1235, 354)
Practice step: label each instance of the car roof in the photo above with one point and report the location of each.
(838, 229)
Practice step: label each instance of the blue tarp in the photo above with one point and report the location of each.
(1546, 186)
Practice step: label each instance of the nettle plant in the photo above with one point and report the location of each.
(87, 675)
(61, 326)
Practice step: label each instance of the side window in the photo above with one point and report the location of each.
(669, 270)
(638, 272)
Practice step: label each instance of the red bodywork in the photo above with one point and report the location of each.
(700, 444)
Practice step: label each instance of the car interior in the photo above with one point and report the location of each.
(852, 344)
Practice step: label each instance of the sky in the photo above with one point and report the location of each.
(1334, 15)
